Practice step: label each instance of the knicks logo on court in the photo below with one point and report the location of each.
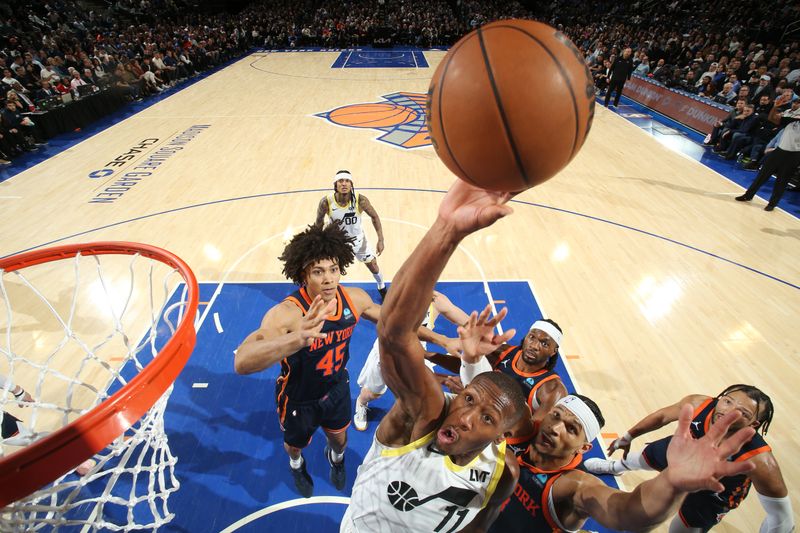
(401, 118)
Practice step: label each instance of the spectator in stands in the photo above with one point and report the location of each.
(741, 135)
(661, 72)
(764, 104)
(61, 85)
(727, 95)
(763, 87)
(764, 133)
(46, 91)
(706, 87)
(76, 81)
(643, 68)
(744, 92)
(726, 124)
(688, 83)
(11, 123)
(8, 79)
(602, 76)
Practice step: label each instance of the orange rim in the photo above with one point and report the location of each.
(43, 461)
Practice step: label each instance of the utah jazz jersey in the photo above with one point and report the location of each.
(348, 216)
(417, 488)
(714, 504)
(529, 381)
(531, 507)
(311, 372)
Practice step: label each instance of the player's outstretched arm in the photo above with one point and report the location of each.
(284, 331)
(322, 210)
(653, 421)
(366, 206)
(449, 310)
(694, 464)
(464, 210)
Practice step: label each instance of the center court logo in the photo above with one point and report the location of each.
(401, 118)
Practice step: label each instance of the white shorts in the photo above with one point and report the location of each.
(363, 250)
(371, 376)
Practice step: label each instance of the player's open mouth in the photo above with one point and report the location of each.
(546, 441)
(447, 435)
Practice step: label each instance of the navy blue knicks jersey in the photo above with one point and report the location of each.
(529, 381)
(309, 374)
(531, 508)
(736, 487)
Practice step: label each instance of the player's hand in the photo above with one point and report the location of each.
(783, 99)
(477, 335)
(379, 247)
(453, 383)
(314, 319)
(25, 398)
(699, 464)
(453, 346)
(621, 443)
(467, 208)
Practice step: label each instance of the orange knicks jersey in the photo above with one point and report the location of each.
(309, 373)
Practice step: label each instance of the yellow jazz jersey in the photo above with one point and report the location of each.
(348, 215)
(416, 488)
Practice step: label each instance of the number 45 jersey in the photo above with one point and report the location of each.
(416, 488)
(310, 373)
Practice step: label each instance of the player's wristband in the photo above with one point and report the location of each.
(20, 394)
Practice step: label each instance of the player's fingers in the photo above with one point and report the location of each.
(720, 428)
(506, 336)
(733, 468)
(733, 444)
(498, 317)
(684, 420)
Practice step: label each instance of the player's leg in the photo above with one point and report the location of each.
(336, 412)
(298, 423)
(651, 457)
(366, 255)
(372, 386)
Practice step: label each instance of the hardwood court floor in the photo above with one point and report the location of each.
(664, 285)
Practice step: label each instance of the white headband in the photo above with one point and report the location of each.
(584, 415)
(548, 328)
(343, 175)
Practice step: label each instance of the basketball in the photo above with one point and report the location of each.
(510, 105)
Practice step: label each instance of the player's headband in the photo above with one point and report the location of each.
(576, 406)
(548, 328)
(343, 175)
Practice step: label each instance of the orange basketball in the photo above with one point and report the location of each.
(510, 105)
(377, 115)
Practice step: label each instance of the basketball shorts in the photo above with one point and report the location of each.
(9, 425)
(332, 412)
(371, 376)
(700, 509)
(363, 250)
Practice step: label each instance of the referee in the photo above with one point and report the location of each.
(782, 161)
(621, 71)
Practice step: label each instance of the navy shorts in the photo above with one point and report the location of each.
(332, 412)
(9, 425)
(700, 509)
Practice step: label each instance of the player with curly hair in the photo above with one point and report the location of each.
(309, 333)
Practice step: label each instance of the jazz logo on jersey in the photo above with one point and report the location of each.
(401, 118)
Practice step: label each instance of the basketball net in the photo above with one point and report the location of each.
(96, 339)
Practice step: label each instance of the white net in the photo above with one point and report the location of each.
(74, 332)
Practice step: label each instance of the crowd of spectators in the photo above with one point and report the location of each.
(729, 53)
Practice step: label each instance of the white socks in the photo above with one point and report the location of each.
(296, 463)
(635, 461)
(336, 457)
(379, 280)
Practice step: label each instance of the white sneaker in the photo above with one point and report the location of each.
(602, 466)
(360, 417)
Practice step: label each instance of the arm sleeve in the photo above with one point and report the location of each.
(469, 371)
(779, 517)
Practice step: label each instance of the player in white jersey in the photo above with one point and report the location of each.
(437, 464)
(370, 379)
(346, 206)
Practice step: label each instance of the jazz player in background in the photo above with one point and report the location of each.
(370, 379)
(345, 205)
(703, 510)
(441, 465)
(309, 333)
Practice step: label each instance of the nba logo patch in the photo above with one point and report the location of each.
(401, 118)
